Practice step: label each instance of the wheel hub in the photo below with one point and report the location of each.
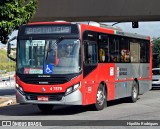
(134, 92)
(100, 97)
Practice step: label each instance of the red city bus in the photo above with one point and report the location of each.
(62, 63)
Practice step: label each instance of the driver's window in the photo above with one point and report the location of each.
(90, 53)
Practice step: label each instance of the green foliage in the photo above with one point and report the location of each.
(5, 63)
(156, 51)
(14, 13)
(156, 45)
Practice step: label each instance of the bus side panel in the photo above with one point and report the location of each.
(144, 70)
(125, 75)
(106, 73)
(144, 86)
(145, 83)
(90, 84)
(102, 73)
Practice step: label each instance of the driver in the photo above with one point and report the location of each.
(65, 51)
(68, 50)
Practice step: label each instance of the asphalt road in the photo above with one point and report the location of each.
(7, 92)
(146, 108)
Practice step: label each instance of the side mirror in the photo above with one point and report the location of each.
(9, 48)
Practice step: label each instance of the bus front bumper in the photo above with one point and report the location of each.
(74, 98)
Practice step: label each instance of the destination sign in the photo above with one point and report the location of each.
(48, 30)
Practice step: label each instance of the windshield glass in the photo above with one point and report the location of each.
(156, 72)
(54, 56)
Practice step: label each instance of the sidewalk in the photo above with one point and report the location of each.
(6, 101)
(7, 98)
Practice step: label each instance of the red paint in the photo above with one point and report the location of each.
(105, 72)
(46, 23)
(35, 88)
(97, 29)
(150, 68)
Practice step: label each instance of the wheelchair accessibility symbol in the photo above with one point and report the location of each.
(48, 69)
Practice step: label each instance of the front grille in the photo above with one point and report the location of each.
(44, 80)
(51, 97)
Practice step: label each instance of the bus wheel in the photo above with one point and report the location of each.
(100, 99)
(134, 92)
(45, 107)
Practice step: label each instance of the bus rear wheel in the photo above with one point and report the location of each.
(45, 107)
(100, 99)
(134, 92)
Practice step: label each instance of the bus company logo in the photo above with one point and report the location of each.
(43, 89)
(44, 76)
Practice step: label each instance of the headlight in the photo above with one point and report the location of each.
(17, 86)
(69, 90)
(72, 88)
(76, 86)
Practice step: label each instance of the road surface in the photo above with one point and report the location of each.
(146, 108)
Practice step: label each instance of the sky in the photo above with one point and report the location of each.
(145, 28)
(151, 29)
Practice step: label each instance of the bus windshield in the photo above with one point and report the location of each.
(51, 56)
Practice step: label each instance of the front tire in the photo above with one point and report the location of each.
(100, 99)
(45, 107)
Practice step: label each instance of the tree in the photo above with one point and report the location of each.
(14, 13)
(156, 51)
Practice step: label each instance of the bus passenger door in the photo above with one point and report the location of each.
(90, 70)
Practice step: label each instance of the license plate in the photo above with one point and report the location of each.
(42, 98)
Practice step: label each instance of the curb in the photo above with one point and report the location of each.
(8, 102)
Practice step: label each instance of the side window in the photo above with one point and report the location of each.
(135, 51)
(114, 49)
(103, 52)
(143, 51)
(144, 54)
(90, 53)
(124, 50)
(147, 51)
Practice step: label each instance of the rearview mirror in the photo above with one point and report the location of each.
(9, 48)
